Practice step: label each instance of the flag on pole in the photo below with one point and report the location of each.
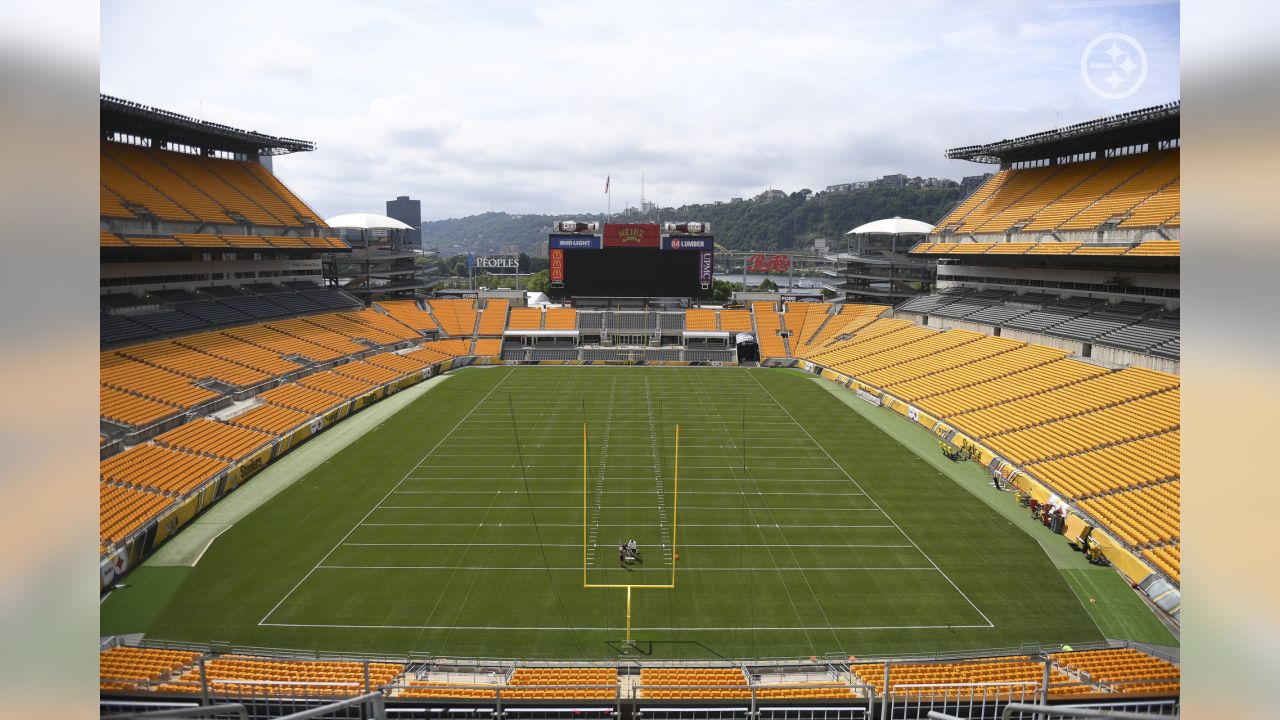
(606, 183)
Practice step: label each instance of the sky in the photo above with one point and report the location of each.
(526, 107)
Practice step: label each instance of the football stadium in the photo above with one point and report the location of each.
(328, 488)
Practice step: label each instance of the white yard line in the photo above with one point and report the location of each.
(612, 628)
(579, 525)
(578, 568)
(611, 507)
(627, 492)
(574, 545)
(454, 479)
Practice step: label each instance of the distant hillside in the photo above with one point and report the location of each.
(786, 222)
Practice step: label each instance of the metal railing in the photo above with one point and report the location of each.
(972, 700)
(775, 687)
(1155, 710)
(183, 711)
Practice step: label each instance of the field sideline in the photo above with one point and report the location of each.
(456, 528)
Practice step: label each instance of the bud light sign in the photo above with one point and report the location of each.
(704, 269)
(573, 242)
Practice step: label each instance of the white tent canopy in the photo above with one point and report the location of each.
(893, 226)
(366, 221)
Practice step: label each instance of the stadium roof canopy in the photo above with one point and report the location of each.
(893, 226)
(162, 126)
(1150, 125)
(366, 221)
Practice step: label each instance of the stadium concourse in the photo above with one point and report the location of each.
(228, 342)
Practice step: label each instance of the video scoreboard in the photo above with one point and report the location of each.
(631, 260)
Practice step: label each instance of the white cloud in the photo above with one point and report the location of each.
(526, 106)
(271, 56)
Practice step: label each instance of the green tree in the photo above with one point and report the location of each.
(723, 290)
(768, 284)
(782, 223)
(539, 281)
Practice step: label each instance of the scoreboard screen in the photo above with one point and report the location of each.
(630, 261)
(631, 273)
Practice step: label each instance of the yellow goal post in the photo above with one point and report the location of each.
(675, 526)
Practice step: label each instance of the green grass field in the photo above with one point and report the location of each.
(456, 528)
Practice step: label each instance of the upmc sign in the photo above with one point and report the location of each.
(634, 235)
(705, 267)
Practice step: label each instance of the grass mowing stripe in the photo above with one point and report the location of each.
(375, 507)
(855, 482)
(533, 515)
(729, 465)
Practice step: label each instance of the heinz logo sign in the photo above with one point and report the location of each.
(633, 235)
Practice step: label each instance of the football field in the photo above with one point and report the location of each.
(468, 524)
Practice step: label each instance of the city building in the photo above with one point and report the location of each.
(408, 212)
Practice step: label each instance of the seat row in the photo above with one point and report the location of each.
(457, 318)
(1141, 190)
(768, 327)
(189, 188)
(143, 384)
(126, 668)
(247, 675)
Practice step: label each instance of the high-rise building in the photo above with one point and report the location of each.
(408, 212)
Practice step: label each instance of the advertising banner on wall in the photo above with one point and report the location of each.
(688, 243)
(557, 266)
(766, 264)
(632, 235)
(705, 269)
(574, 242)
(494, 264)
